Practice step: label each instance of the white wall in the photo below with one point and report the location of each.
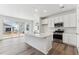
(1, 27)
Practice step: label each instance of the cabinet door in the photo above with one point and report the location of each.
(72, 20)
(78, 41)
(69, 20)
(51, 22)
(77, 18)
(56, 19)
(77, 29)
(73, 39)
(45, 21)
(70, 39)
(65, 38)
(60, 18)
(66, 20)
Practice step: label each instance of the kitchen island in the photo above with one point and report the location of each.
(42, 42)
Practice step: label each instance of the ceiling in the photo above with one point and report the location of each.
(31, 11)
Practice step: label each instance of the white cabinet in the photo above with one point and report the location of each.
(69, 20)
(73, 20)
(65, 38)
(77, 16)
(66, 20)
(51, 22)
(78, 41)
(44, 25)
(45, 21)
(77, 22)
(77, 29)
(73, 39)
(70, 39)
(58, 19)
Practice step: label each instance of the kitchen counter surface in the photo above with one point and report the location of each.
(42, 35)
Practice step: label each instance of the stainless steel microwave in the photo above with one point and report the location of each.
(58, 24)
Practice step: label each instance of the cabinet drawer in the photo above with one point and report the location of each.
(77, 40)
(70, 39)
(73, 39)
(65, 38)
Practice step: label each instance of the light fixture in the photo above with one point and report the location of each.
(45, 11)
(61, 5)
(36, 10)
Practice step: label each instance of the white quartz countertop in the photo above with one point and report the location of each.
(42, 35)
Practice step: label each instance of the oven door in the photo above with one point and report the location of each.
(57, 36)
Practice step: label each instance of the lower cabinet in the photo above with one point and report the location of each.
(78, 41)
(65, 38)
(70, 39)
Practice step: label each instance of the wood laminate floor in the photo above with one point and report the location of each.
(62, 49)
(16, 46)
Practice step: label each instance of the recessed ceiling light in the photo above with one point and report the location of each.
(45, 11)
(61, 6)
(36, 10)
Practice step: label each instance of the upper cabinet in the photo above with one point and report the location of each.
(69, 20)
(58, 19)
(44, 21)
(53, 20)
(50, 22)
(66, 20)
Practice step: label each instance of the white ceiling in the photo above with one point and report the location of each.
(27, 11)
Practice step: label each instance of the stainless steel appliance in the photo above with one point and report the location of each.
(58, 24)
(58, 33)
